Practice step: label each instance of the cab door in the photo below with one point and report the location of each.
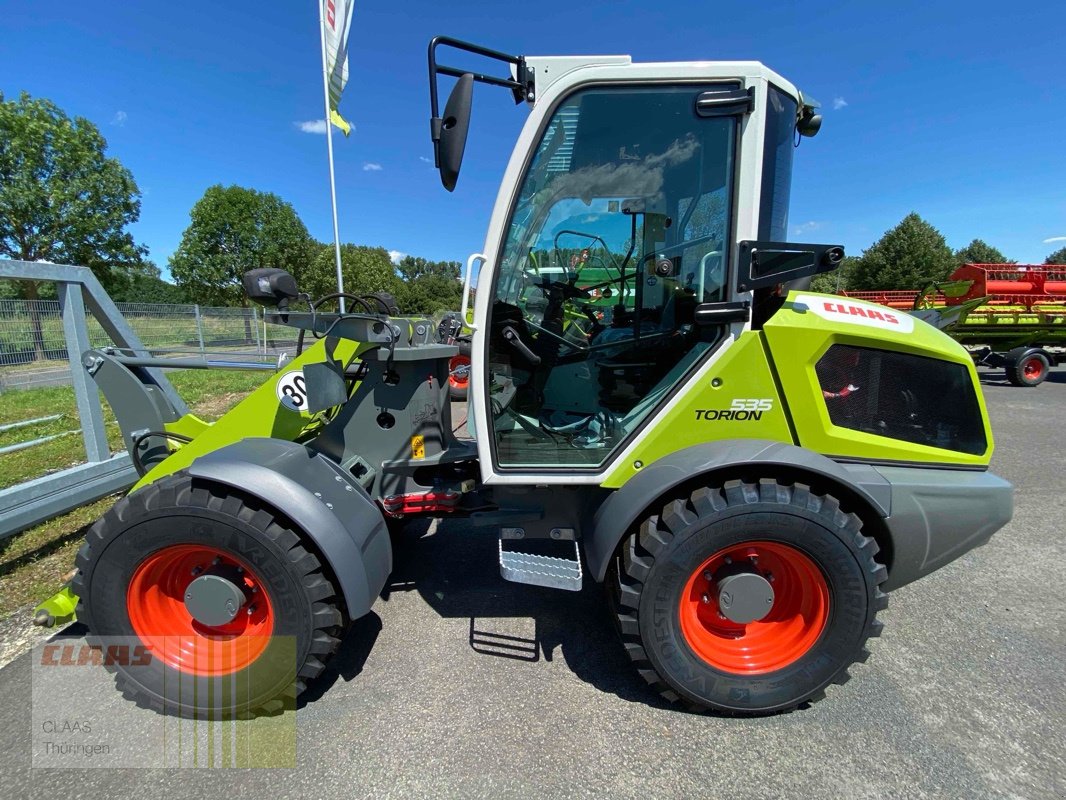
(622, 226)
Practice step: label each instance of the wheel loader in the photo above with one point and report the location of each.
(657, 403)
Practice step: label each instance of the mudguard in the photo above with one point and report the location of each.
(332, 510)
(628, 504)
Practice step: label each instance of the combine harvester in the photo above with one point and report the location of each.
(1009, 316)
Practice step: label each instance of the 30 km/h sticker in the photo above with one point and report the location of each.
(292, 390)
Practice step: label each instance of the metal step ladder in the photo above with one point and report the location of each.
(538, 570)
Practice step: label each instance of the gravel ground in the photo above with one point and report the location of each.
(965, 695)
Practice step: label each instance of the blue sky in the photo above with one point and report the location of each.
(956, 110)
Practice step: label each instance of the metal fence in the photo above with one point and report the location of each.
(42, 344)
(33, 350)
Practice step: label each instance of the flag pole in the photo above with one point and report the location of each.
(329, 148)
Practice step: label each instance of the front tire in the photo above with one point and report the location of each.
(748, 598)
(262, 621)
(459, 373)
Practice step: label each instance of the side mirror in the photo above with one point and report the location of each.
(452, 132)
(270, 287)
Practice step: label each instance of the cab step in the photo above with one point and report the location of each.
(538, 570)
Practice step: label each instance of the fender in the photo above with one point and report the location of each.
(628, 504)
(330, 508)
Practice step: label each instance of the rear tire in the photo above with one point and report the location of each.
(820, 580)
(133, 583)
(1030, 369)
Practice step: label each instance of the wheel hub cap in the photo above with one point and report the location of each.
(745, 597)
(213, 600)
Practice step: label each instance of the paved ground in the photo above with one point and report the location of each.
(965, 695)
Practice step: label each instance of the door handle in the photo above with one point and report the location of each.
(723, 313)
(512, 337)
(466, 288)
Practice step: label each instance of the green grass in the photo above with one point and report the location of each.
(35, 563)
(200, 388)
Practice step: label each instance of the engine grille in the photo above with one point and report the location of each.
(912, 398)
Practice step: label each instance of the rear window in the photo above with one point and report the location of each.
(911, 398)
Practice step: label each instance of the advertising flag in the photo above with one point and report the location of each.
(336, 24)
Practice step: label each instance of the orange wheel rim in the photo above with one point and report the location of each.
(789, 630)
(155, 601)
(459, 371)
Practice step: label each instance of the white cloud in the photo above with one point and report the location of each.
(425, 160)
(120, 118)
(312, 126)
(1051, 239)
(805, 227)
(839, 103)
(371, 166)
(396, 256)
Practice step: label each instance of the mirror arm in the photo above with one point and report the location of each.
(765, 263)
(522, 88)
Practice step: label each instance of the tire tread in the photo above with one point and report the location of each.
(641, 548)
(180, 491)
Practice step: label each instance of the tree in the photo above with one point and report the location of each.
(1058, 257)
(233, 230)
(365, 270)
(61, 198)
(907, 257)
(147, 287)
(980, 252)
(838, 280)
(429, 286)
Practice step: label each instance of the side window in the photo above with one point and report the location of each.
(619, 231)
(777, 167)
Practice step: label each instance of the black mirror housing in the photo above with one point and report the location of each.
(453, 128)
(270, 287)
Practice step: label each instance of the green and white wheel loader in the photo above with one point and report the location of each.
(656, 403)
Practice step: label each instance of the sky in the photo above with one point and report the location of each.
(955, 110)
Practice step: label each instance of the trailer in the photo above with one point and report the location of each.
(1008, 316)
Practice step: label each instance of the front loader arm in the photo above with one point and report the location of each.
(262, 413)
(140, 408)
